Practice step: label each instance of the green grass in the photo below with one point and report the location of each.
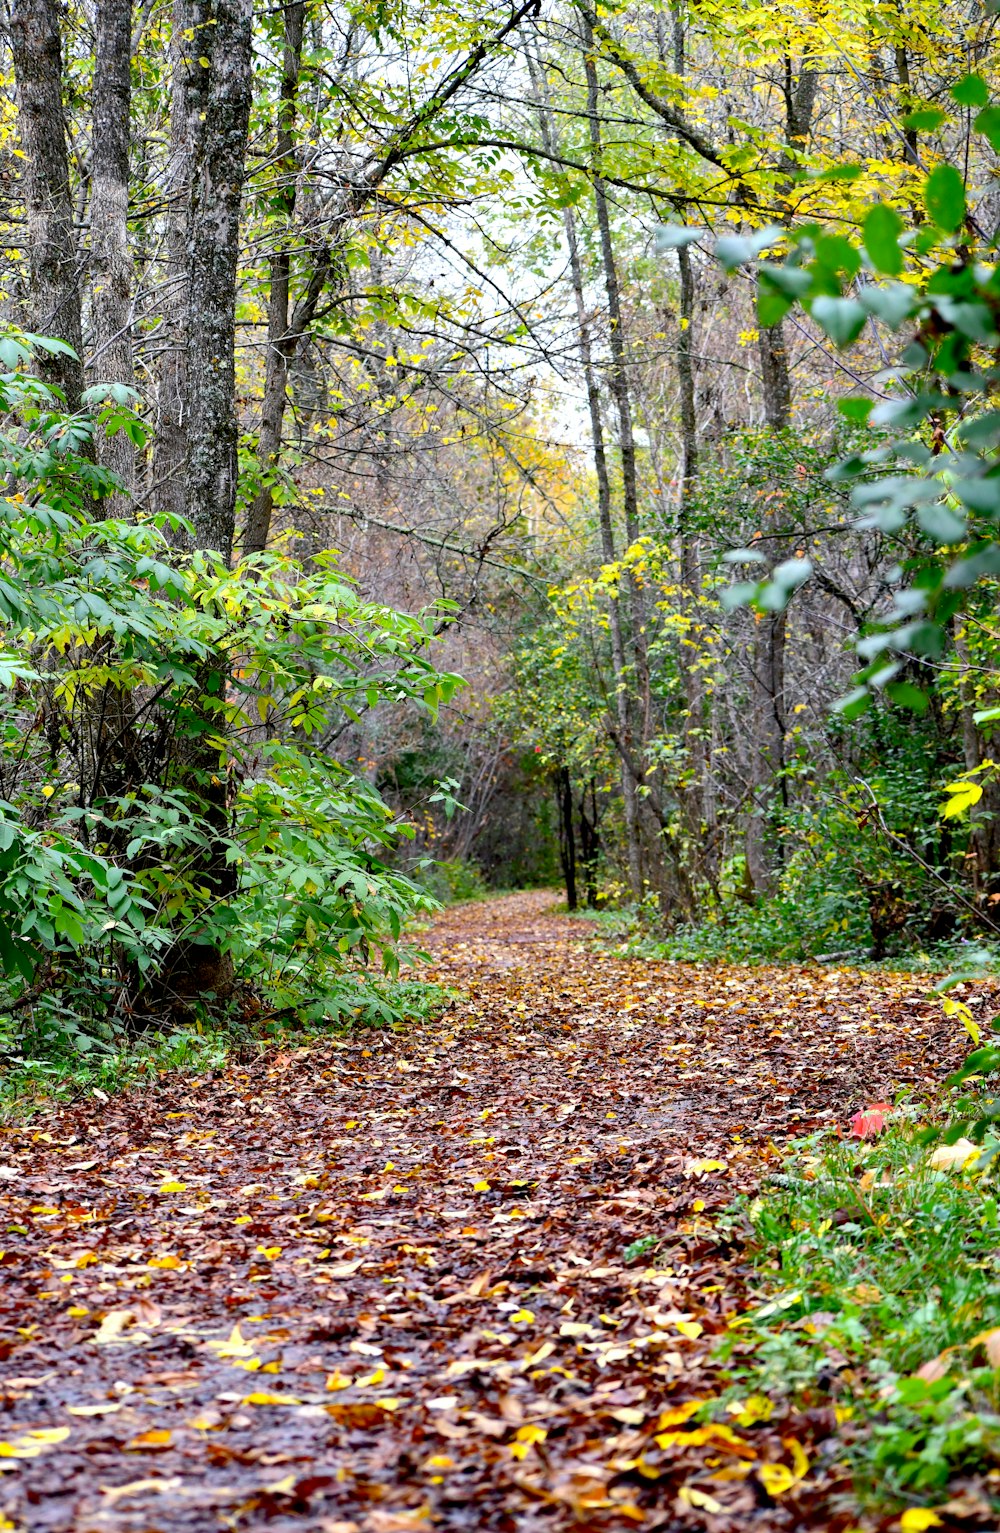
(873, 1266)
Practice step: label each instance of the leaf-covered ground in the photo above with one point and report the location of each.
(381, 1284)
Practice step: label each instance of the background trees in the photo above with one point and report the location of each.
(440, 292)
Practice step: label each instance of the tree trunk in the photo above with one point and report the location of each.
(699, 797)
(623, 712)
(764, 852)
(53, 259)
(215, 103)
(567, 842)
(170, 457)
(281, 341)
(984, 818)
(110, 260)
(618, 384)
(220, 148)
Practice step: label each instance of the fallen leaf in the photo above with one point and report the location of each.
(953, 1157)
(870, 1122)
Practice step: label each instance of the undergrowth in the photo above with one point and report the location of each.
(880, 1283)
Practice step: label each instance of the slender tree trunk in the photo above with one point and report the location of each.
(764, 852)
(618, 384)
(567, 841)
(216, 111)
(110, 259)
(281, 341)
(216, 196)
(623, 720)
(170, 457)
(984, 819)
(700, 805)
(53, 259)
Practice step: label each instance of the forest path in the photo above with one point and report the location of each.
(380, 1284)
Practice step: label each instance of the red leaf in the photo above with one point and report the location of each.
(871, 1122)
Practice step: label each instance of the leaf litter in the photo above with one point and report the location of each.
(465, 1275)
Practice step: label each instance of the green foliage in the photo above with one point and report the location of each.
(166, 786)
(873, 1265)
(450, 880)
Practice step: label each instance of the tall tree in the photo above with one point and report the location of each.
(111, 358)
(53, 257)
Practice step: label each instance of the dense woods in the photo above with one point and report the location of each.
(402, 410)
(499, 449)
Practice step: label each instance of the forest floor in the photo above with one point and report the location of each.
(381, 1283)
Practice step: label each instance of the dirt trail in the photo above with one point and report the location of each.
(381, 1285)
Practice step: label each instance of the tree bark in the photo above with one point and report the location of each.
(170, 456)
(567, 840)
(110, 259)
(623, 733)
(764, 852)
(53, 259)
(220, 147)
(618, 385)
(281, 340)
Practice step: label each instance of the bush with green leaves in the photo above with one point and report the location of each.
(162, 717)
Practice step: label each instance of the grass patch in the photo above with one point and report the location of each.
(881, 1282)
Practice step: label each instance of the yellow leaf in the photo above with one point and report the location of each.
(32, 1444)
(173, 1187)
(523, 1317)
(271, 1252)
(338, 1380)
(953, 1008)
(800, 1460)
(918, 1518)
(525, 1439)
(697, 1498)
(480, 1186)
(689, 1328)
(963, 796)
(678, 1414)
(388, 1403)
(261, 1397)
(378, 1377)
(112, 1326)
(172, 1263)
(952, 1157)
(235, 1346)
(156, 1438)
(713, 1433)
(700, 1167)
(777, 1479)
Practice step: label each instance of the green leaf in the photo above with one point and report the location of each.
(841, 318)
(906, 695)
(941, 524)
(925, 119)
(988, 123)
(854, 704)
(734, 250)
(855, 407)
(882, 228)
(944, 198)
(675, 237)
(892, 304)
(972, 91)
